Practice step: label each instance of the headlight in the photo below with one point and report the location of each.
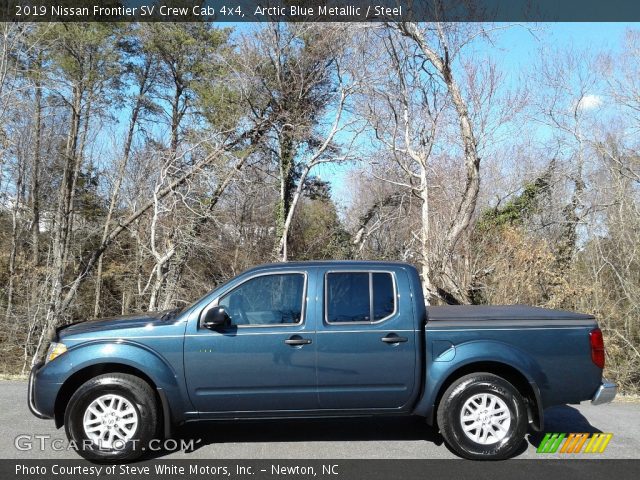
(55, 350)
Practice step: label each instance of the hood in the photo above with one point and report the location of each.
(117, 323)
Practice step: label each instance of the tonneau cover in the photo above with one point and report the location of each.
(500, 312)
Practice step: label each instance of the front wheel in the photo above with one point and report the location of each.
(482, 416)
(112, 418)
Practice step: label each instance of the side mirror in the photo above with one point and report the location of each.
(216, 317)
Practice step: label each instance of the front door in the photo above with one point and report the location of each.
(366, 342)
(265, 361)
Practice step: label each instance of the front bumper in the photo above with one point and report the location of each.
(32, 392)
(606, 393)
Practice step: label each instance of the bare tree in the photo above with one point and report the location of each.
(569, 97)
(405, 120)
(187, 54)
(86, 65)
(413, 122)
(145, 82)
(324, 153)
(440, 56)
(92, 258)
(294, 76)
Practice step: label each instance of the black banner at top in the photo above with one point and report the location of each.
(320, 10)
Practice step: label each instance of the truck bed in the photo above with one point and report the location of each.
(552, 343)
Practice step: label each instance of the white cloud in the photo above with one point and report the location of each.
(589, 102)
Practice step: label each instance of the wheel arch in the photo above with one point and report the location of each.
(74, 381)
(528, 389)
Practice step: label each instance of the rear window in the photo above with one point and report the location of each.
(359, 296)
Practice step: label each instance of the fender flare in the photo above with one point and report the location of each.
(464, 355)
(129, 354)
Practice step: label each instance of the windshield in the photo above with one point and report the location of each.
(193, 304)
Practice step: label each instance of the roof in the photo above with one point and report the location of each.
(330, 263)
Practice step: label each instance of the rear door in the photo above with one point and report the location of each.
(366, 341)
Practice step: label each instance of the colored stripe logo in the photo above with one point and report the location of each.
(574, 443)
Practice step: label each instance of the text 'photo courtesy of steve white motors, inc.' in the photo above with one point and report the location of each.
(183, 469)
(319, 239)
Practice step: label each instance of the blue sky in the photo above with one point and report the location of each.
(518, 45)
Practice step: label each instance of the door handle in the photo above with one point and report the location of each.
(393, 338)
(297, 340)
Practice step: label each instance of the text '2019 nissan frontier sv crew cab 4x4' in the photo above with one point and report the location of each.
(319, 339)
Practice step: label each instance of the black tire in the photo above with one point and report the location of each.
(139, 394)
(453, 402)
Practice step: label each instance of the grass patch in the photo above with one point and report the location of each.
(13, 376)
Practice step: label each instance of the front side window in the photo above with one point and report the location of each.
(266, 300)
(359, 296)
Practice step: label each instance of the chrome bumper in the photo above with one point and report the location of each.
(606, 392)
(31, 392)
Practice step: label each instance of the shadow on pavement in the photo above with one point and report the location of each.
(307, 430)
(562, 419)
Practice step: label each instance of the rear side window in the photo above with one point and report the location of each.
(359, 296)
(384, 301)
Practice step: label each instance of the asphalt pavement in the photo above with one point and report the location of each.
(23, 436)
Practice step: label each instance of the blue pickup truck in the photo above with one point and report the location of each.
(319, 339)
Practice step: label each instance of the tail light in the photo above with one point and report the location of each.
(597, 347)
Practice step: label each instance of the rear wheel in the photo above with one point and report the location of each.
(112, 417)
(482, 416)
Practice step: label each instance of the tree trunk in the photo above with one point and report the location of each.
(133, 121)
(14, 236)
(62, 221)
(161, 272)
(572, 212)
(286, 227)
(425, 266)
(167, 267)
(35, 170)
(316, 159)
(287, 191)
(467, 205)
(79, 155)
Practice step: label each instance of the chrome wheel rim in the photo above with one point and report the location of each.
(485, 418)
(110, 421)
